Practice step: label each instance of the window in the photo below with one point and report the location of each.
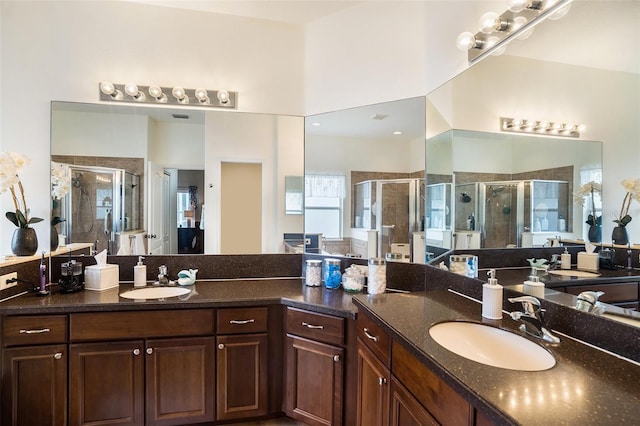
(323, 204)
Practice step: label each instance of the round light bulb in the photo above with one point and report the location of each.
(223, 96)
(516, 122)
(107, 88)
(466, 41)
(180, 95)
(489, 22)
(131, 89)
(544, 125)
(557, 126)
(569, 127)
(201, 95)
(517, 5)
(155, 91)
(531, 124)
(581, 128)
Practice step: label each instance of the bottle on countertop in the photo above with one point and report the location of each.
(42, 275)
(565, 260)
(140, 273)
(492, 297)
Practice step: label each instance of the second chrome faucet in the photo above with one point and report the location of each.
(532, 319)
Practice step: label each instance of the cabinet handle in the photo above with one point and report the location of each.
(382, 381)
(242, 321)
(370, 336)
(57, 355)
(38, 331)
(221, 346)
(149, 351)
(313, 327)
(336, 358)
(136, 351)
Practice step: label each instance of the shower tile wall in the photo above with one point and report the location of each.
(88, 216)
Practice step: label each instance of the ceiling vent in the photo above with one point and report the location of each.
(379, 116)
(180, 116)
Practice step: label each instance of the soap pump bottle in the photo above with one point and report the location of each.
(42, 275)
(565, 260)
(492, 297)
(140, 273)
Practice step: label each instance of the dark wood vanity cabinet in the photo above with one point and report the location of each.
(395, 388)
(315, 367)
(242, 363)
(125, 370)
(34, 370)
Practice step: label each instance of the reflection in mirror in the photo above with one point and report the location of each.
(364, 181)
(140, 177)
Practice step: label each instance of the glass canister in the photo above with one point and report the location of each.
(313, 272)
(464, 264)
(377, 283)
(332, 275)
(353, 279)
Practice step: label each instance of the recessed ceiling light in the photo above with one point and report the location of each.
(315, 124)
(397, 132)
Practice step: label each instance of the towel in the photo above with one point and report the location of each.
(138, 248)
(124, 245)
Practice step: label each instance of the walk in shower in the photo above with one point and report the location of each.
(510, 213)
(100, 203)
(392, 207)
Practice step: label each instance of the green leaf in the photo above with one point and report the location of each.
(13, 218)
(56, 220)
(34, 220)
(21, 219)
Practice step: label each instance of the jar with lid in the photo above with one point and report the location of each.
(332, 275)
(464, 264)
(353, 279)
(313, 272)
(377, 283)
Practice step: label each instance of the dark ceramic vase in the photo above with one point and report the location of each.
(619, 236)
(24, 242)
(54, 238)
(595, 233)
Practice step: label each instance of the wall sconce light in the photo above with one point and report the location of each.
(495, 31)
(158, 95)
(541, 127)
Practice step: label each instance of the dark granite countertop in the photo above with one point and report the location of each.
(586, 386)
(204, 293)
(509, 276)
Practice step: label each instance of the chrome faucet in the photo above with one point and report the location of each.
(554, 263)
(532, 318)
(588, 302)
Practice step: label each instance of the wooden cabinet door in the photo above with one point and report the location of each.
(406, 410)
(34, 386)
(180, 377)
(106, 383)
(314, 382)
(241, 376)
(373, 389)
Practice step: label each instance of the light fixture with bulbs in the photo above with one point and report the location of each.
(154, 94)
(495, 31)
(541, 127)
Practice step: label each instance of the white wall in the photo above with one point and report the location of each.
(178, 145)
(252, 138)
(60, 50)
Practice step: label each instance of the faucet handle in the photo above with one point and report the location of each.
(529, 303)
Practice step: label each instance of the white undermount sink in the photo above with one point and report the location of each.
(492, 346)
(154, 292)
(573, 273)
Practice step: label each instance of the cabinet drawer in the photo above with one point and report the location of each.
(622, 292)
(98, 326)
(242, 320)
(375, 338)
(324, 328)
(34, 330)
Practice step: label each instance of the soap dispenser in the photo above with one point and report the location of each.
(140, 273)
(492, 297)
(565, 260)
(533, 286)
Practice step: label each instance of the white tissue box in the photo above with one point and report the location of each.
(588, 261)
(101, 277)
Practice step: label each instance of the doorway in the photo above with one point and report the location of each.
(241, 208)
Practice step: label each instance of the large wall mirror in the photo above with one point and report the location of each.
(494, 189)
(364, 180)
(144, 180)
